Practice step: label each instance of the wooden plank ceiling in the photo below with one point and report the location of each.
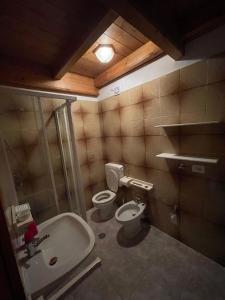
(50, 43)
(124, 38)
(43, 35)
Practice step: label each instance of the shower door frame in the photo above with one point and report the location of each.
(76, 175)
(78, 187)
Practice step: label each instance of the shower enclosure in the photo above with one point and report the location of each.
(37, 131)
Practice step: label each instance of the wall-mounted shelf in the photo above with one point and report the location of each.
(188, 124)
(188, 158)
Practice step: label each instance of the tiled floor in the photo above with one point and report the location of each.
(155, 267)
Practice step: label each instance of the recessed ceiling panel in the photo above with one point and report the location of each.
(124, 38)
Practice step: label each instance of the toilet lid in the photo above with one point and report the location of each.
(104, 196)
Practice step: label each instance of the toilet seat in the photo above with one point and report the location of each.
(103, 197)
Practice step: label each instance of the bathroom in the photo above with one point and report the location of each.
(112, 182)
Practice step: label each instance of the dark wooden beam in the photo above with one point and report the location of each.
(98, 22)
(203, 28)
(20, 74)
(142, 55)
(155, 19)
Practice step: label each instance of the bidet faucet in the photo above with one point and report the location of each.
(138, 199)
(31, 247)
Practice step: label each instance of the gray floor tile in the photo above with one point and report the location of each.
(154, 266)
(207, 280)
(165, 276)
(202, 287)
(93, 287)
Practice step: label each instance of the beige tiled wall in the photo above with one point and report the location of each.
(121, 129)
(89, 140)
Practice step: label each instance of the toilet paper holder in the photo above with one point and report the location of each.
(129, 181)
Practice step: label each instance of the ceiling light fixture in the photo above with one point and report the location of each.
(104, 53)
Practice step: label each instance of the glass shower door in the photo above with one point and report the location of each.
(21, 131)
(38, 135)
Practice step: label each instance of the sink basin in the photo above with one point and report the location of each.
(70, 241)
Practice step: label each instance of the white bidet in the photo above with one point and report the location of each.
(129, 215)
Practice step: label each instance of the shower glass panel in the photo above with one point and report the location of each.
(20, 130)
(39, 139)
(47, 108)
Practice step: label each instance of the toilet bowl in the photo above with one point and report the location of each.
(104, 200)
(129, 216)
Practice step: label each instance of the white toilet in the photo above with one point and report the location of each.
(129, 216)
(104, 200)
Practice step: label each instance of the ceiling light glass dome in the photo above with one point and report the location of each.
(104, 53)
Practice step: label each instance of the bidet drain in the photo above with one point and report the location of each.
(53, 261)
(101, 235)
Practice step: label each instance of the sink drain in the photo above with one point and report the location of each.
(53, 261)
(101, 235)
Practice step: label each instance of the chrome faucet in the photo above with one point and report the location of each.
(31, 247)
(138, 199)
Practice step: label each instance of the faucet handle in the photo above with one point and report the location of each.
(138, 198)
(31, 249)
(181, 166)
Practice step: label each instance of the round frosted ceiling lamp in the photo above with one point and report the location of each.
(104, 53)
